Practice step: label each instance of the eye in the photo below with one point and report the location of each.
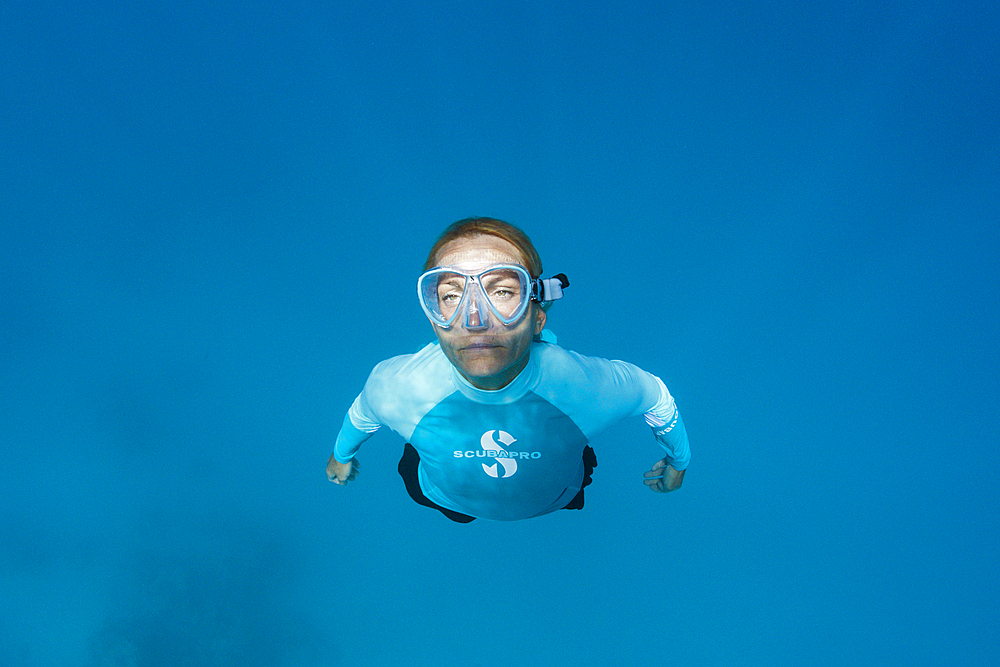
(449, 291)
(449, 295)
(505, 289)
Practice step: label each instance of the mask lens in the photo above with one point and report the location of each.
(440, 294)
(507, 291)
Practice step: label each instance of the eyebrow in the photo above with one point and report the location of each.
(499, 278)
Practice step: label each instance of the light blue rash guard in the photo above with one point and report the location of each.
(516, 452)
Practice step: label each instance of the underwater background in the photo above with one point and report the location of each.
(212, 219)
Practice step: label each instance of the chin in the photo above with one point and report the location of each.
(482, 370)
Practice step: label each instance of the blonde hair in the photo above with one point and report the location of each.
(489, 227)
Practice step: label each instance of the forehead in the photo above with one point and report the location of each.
(482, 249)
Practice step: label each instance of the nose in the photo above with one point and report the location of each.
(475, 318)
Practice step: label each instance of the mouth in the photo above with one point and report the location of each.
(483, 345)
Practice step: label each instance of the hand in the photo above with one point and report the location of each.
(342, 473)
(663, 478)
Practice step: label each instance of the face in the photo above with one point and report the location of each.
(492, 354)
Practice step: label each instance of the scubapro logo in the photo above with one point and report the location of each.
(488, 443)
(496, 445)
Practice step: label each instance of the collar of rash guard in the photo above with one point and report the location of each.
(518, 387)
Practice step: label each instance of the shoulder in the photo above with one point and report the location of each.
(559, 364)
(594, 392)
(570, 378)
(407, 373)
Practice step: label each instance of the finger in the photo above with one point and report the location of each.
(658, 471)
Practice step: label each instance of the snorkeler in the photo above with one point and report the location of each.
(495, 415)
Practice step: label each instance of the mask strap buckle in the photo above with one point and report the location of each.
(549, 289)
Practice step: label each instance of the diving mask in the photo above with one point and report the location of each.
(449, 294)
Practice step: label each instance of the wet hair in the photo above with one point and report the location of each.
(470, 227)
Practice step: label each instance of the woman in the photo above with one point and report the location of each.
(496, 416)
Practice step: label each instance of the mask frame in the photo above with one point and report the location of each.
(475, 304)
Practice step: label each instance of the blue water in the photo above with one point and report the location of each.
(211, 223)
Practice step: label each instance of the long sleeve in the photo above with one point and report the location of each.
(673, 437)
(359, 425)
(668, 428)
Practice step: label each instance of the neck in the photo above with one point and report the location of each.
(500, 380)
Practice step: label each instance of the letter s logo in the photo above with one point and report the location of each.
(506, 440)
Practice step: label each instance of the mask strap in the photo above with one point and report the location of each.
(549, 289)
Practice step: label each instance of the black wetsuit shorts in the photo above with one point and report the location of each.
(408, 471)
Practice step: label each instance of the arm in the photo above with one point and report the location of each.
(667, 474)
(342, 467)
